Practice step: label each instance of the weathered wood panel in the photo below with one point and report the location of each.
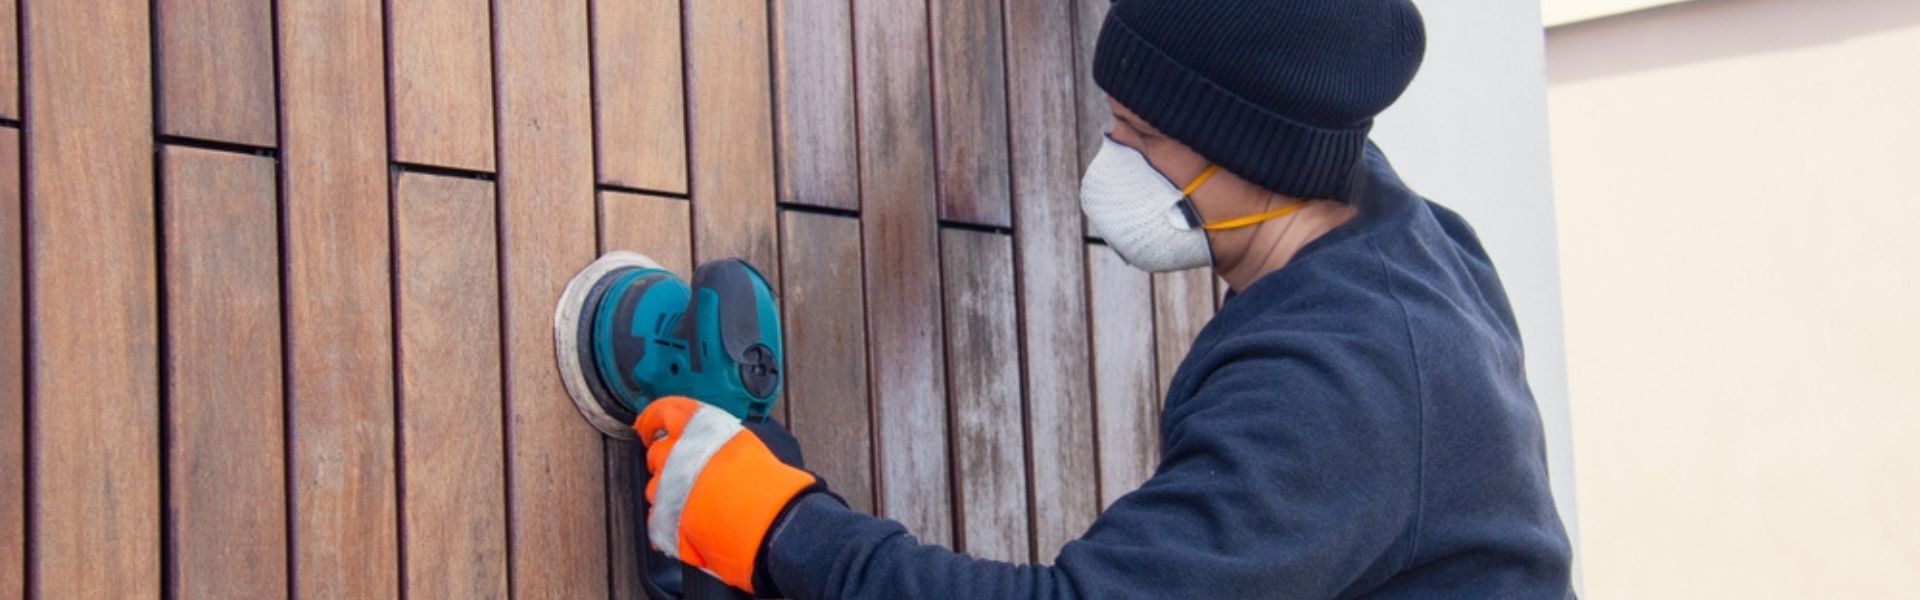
(339, 335)
(970, 111)
(1053, 300)
(1126, 415)
(732, 134)
(555, 458)
(983, 377)
(216, 70)
(453, 513)
(657, 227)
(93, 287)
(824, 312)
(640, 119)
(899, 237)
(9, 59)
(13, 431)
(440, 58)
(1182, 304)
(226, 462)
(1094, 117)
(813, 79)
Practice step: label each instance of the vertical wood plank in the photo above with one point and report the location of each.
(983, 374)
(970, 104)
(1095, 118)
(557, 460)
(1127, 418)
(639, 97)
(440, 54)
(9, 59)
(657, 227)
(216, 70)
(1182, 304)
(813, 78)
(900, 239)
(454, 520)
(826, 335)
(13, 441)
(225, 418)
(732, 134)
(1053, 301)
(339, 318)
(95, 502)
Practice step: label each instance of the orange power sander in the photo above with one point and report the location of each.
(627, 331)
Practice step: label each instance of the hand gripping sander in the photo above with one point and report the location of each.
(627, 331)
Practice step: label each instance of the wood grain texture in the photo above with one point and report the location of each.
(1182, 304)
(826, 335)
(9, 62)
(1094, 116)
(970, 111)
(639, 98)
(93, 288)
(339, 319)
(13, 441)
(454, 521)
(983, 377)
(226, 449)
(813, 93)
(556, 460)
(900, 242)
(732, 134)
(1053, 294)
(216, 70)
(1127, 416)
(441, 68)
(659, 228)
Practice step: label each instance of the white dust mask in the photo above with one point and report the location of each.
(1140, 213)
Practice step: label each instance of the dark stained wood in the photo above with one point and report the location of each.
(1127, 416)
(440, 65)
(901, 249)
(983, 377)
(216, 70)
(454, 521)
(9, 64)
(226, 462)
(641, 117)
(813, 90)
(970, 104)
(732, 134)
(1048, 243)
(1182, 304)
(339, 334)
(657, 227)
(13, 441)
(1095, 117)
(826, 335)
(93, 287)
(556, 460)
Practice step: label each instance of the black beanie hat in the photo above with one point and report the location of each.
(1279, 92)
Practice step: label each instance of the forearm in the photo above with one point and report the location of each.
(824, 551)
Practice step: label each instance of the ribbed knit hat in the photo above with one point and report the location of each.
(1279, 92)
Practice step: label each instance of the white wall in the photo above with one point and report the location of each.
(1472, 134)
(1740, 228)
(1562, 12)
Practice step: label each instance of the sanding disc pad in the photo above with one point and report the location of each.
(568, 338)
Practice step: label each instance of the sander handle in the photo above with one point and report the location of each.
(701, 586)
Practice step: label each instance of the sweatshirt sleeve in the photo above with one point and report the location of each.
(1278, 480)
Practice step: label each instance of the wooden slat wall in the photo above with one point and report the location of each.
(307, 251)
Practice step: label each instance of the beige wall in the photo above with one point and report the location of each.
(1740, 242)
(1561, 12)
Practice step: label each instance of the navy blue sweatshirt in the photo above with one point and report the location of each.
(1356, 424)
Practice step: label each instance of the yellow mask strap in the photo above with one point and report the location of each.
(1199, 181)
(1254, 219)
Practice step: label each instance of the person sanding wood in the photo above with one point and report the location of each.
(1355, 422)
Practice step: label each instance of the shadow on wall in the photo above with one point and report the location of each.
(1667, 36)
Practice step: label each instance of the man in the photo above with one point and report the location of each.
(1355, 422)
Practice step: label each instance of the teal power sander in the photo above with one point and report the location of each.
(627, 331)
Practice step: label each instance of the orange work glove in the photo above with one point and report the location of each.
(716, 488)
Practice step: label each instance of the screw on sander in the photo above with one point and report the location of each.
(627, 331)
